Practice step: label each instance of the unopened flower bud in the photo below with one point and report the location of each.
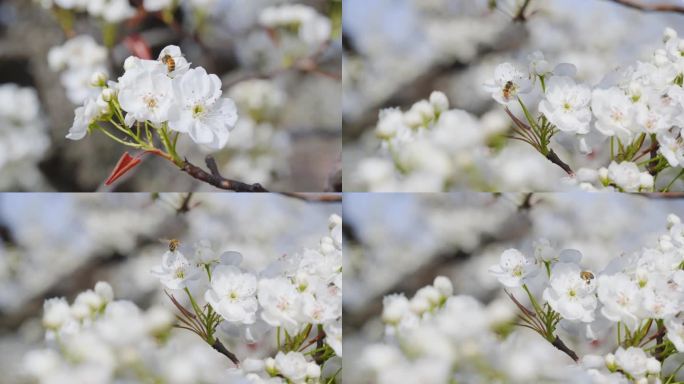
(419, 305)
(669, 34)
(108, 94)
(104, 290)
(610, 362)
(439, 101)
(413, 119)
(99, 79)
(444, 286)
(425, 109)
(652, 366)
(333, 221)
(313, 371)
(672, 220)
(270, 366)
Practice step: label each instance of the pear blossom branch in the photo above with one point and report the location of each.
(217, 180)
(660, 7)
(538, 145)
(214, 178)
(220, 348)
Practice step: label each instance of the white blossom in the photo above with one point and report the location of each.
(566, 105)
(232, 294)
(513, 268)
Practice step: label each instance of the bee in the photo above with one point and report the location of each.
(170, 62)
(508, 89)
(173, 244)
(587, 276)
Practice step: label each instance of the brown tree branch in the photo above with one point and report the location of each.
(661, 195)
(560, 345)
(315, 197)
(553, 157)
(649, 7)
(220, 348)
(214, 178)
(520, 15)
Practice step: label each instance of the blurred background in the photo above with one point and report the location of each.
(288, 135)
(398, 243)
(55, 245)
(396, 52)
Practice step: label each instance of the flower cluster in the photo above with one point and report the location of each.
(638, 110)
(436, 337)
(112, 11)
(638, 296)
(159, 97)
(292, 297)
(430, 147)
(23, 138)
(82, 60)
(303, 21)
(116, 11)
(97, 339)
(259, 150)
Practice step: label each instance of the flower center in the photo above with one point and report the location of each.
(150, 101)
(282, 304)
(616, 115)
(180, 273)
(623, 300)
(197, 110)
(518, 271)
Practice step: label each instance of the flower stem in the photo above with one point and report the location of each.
(118, 140)
(171, 149)
(673, 180)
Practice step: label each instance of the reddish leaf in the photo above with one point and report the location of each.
(138, 46)
(125, 164)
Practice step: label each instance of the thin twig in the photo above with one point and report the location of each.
(520, 16)
(660, 7)
(662, 195)
(185, 206)
(315, 340)
(526, 203)
(315, 197)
